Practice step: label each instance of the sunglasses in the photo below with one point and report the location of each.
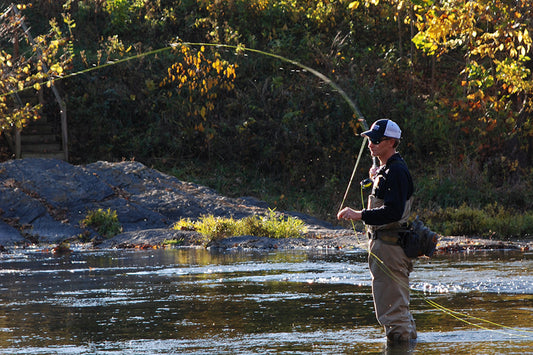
(379, 140)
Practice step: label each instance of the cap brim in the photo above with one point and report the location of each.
(371, 134)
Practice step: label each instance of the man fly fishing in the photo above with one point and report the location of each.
(386, 215)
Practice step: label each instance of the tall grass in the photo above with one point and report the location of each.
(271, 225)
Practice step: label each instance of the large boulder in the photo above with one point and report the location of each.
(44, 200)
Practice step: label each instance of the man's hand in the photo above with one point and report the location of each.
(349, 213)
(373, 171)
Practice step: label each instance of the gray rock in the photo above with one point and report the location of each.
(44, 200)
(152, 237)
(61, 184)
(9, 235)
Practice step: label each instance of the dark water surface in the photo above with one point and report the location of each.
(193, 301)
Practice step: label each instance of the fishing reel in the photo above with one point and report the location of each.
(366, 183)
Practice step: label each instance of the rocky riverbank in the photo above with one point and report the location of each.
(43, 201)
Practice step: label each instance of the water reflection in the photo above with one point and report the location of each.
(194, 301)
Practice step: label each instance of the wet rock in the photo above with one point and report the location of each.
(334, 239)
(154, 237)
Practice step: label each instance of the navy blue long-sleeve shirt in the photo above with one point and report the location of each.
(394, 186)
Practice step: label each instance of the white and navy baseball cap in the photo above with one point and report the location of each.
(383, 128)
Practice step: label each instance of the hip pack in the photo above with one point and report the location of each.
(418, 240)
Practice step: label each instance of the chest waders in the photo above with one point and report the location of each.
(390, 269)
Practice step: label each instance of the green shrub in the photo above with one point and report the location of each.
(253, 225)
(216, 227)
(493, 220)
(278, 226)
(185, 224)
(272, 225)
(105, 222)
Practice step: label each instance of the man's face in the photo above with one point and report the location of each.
(383, 148)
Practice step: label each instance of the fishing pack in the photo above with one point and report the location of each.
(418, 240)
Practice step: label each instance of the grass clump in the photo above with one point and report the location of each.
(271, 225)
(105, 222)
(277, 226)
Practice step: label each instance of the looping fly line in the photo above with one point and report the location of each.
(460, 316)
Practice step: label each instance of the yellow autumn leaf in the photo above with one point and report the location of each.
(527, 39)
(354, 5)
(57, 68)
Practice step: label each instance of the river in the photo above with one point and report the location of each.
(196, 301)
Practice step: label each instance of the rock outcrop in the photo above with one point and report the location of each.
(44, 201)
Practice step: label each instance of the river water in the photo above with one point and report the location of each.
(196, 301)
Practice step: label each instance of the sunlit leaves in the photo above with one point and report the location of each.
(426, 43)
(50, 55)
(514, 76)
(444, 27)
(354, 5)
(494, 37)
(198, 80)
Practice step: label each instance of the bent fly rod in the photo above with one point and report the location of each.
(460, 316)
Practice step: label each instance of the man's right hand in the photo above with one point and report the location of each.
(349, 213)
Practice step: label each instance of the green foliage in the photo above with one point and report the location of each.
(491, 221)
(234, 180)
(105, 222)
(278, 226)
(272, 225)
(122, 13)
